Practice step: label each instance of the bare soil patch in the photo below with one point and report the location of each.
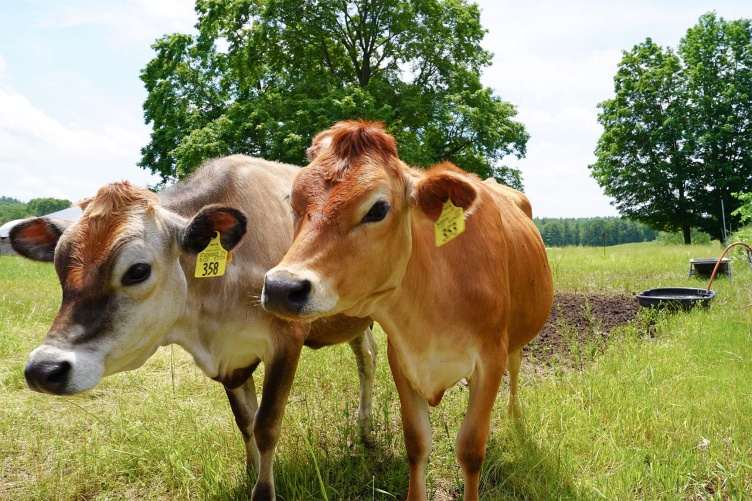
(578, 328)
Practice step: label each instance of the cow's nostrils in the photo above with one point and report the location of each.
(48, 377)
(286, 296)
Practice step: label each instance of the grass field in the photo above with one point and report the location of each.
(661, 417)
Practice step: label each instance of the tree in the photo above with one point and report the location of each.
(263, 77)
(718, 57)
(642, 159)
(44, 206)
(677, 133)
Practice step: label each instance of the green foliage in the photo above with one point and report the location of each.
(44, 206)
(263, 77)
(589, 232)
(11, 209)
(678, 132)
(667, 238)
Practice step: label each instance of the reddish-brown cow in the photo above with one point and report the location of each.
(365, 245)
(127, 272)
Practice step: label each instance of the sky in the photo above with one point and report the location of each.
(70, 94)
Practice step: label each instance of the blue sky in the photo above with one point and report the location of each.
(70, 94)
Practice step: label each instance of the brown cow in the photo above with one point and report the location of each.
(365, 245)
(127, 272)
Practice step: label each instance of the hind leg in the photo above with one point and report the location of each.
(365, 349)
(514, 360)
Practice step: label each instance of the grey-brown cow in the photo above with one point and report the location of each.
(127, 272)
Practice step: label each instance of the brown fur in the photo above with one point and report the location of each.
(450, 312)
(105, 220)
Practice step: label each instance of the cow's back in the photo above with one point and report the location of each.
(260, 189)
(517, 197)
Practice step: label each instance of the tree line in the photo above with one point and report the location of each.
(592, 232)
(11, 208)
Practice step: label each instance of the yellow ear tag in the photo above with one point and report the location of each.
(211, 261)
(450, 224)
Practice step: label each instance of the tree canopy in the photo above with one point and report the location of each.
(677, 138)
(262, 77)
(44, 206)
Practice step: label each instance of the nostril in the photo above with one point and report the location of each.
(48, 377)
(299, 293)
(59, 375)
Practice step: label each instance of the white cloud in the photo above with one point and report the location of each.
(41, 157)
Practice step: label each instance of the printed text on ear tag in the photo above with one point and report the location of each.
(451, 223)
(211, 261)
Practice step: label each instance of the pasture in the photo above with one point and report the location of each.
(661, 410)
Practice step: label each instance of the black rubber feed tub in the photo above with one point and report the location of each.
(675, 298)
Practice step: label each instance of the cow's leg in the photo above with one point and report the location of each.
(244, 405)
(473, 435)
(278, 378)
(415, 426)
(365, 349)
(514, 360)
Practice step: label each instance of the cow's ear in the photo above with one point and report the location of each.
(37, 238)
(440, 184)
(228, 222)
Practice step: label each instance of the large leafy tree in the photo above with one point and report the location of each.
(677, 133)
(263, 76)
(718, 59)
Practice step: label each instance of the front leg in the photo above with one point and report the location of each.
(415, 426)
(244, 404)
(365, 349)
(473, 435)
(279, 375)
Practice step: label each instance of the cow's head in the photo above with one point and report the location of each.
(123, 286)
(358, 209)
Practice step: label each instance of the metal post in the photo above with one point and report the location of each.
(723, 219)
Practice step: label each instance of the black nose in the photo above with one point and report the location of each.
(285, 296)
(48, 377)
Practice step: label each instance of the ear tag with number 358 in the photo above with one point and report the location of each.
(211, 261)
(450, 224)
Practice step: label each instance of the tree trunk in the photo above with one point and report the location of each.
(686, 230)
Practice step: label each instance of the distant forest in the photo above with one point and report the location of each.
(590, 232)
(11, 209)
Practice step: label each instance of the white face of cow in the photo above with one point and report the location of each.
(123, 286)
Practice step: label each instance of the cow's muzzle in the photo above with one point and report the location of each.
(287, 296)
(48, 377)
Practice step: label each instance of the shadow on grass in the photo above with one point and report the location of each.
(358, 473)
(516, 468)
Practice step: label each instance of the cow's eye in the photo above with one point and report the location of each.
(136, 274)
(378, 211)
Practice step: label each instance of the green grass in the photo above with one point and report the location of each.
(662, 417)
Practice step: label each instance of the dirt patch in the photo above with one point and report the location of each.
(578, 329)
